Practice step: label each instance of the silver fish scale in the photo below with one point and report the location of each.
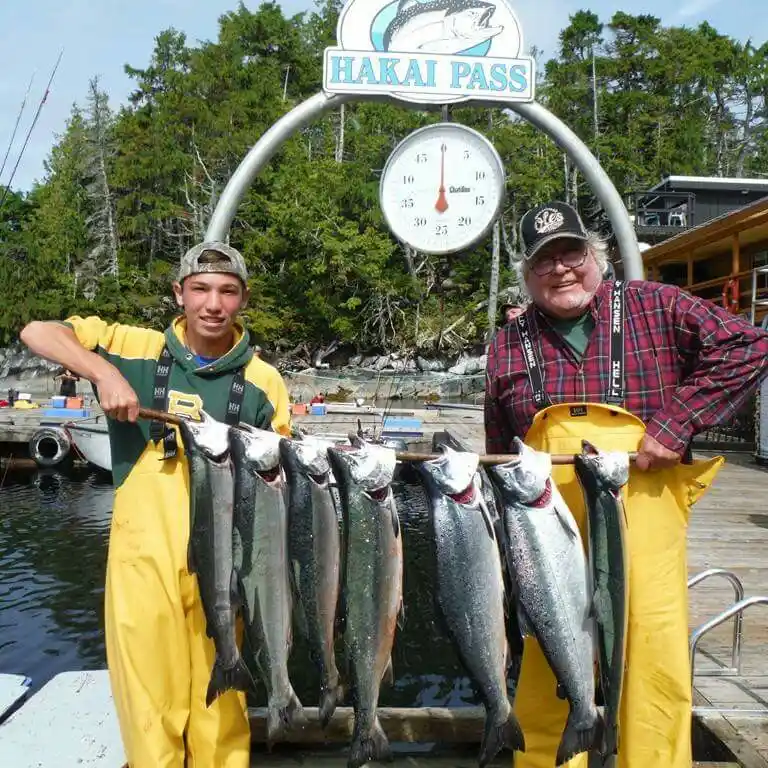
(212, 547)
(262, 521)
(273, 595)
(315, 553)
(551, 572)
(373, 591)
(470, 593)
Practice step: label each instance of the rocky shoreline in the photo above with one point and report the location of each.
(372, 377)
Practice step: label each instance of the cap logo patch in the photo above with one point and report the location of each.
(548, 220)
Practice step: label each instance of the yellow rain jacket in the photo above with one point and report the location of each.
(159, 656)
(655, 723)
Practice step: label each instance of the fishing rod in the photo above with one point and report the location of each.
(404, 456)
(16, 127)
(31, 128)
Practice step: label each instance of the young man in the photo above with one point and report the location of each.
(635, 366)
(158, 654)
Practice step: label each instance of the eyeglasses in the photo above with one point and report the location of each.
(570, 259)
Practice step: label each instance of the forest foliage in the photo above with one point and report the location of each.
(127, 191)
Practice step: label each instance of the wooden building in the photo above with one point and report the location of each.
(724, 259)
(679, 203)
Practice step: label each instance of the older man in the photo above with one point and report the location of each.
(635, 366)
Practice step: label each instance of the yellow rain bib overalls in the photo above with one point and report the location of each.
(655, 724)
(655, 721)
(158, 652)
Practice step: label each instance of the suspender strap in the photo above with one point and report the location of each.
(236, 395)
(532, 364)
(158, 430)
(615, 394)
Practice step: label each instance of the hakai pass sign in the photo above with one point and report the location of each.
(430, 51)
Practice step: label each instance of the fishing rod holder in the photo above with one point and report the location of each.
(736, 610)
(738, 591)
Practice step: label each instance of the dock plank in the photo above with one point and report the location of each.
(729, 529)
(70, 721)
(13, 688)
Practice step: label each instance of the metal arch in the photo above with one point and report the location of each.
(535, 113)
(738, 620)
(260, 154)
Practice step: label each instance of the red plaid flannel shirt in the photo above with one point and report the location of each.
(688, 365)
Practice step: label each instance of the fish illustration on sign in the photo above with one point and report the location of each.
(441, 26)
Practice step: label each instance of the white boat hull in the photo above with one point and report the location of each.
(92, 441)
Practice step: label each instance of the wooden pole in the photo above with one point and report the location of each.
(492, 458)
(404, 456)
(153, 415)
(447, 725)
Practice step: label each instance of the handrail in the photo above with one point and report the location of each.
(738, 590)
(735, 609)
(719, 281)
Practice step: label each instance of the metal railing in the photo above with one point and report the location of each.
(664, 209)
(735, 611)
(738, 591)
(758, 298)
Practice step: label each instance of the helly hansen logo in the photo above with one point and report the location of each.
(232, 408)
(578, 410)
(159, 391)
(238, 388)
(163, 370)
(615, 377)
(616, 312)
(527, 343)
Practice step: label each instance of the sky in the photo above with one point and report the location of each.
(99, 37)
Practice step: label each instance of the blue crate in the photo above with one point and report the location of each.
(68, 413)
(401, 426)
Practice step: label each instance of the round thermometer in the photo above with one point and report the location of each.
(442, 188)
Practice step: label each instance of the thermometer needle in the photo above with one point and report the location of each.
(442, 203)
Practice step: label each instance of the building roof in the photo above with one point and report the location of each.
(710, 182)
(713, 235)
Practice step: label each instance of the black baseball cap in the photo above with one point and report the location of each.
(548, 222)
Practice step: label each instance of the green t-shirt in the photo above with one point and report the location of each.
(575, 332)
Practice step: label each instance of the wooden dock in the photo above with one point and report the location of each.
(729, 529)
(17, 426)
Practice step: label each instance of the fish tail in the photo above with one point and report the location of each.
(330, 696)
(237, 678)
(498, 735)
(282, 718)
(369, 746)
(610, 740)
(575, 741)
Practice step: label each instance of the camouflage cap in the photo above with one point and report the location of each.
(213, 256)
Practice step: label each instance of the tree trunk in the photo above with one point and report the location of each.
(340, 138)
(493, 291)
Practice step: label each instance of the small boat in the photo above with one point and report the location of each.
(91, 439)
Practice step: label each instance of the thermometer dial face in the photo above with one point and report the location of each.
(442, 188)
